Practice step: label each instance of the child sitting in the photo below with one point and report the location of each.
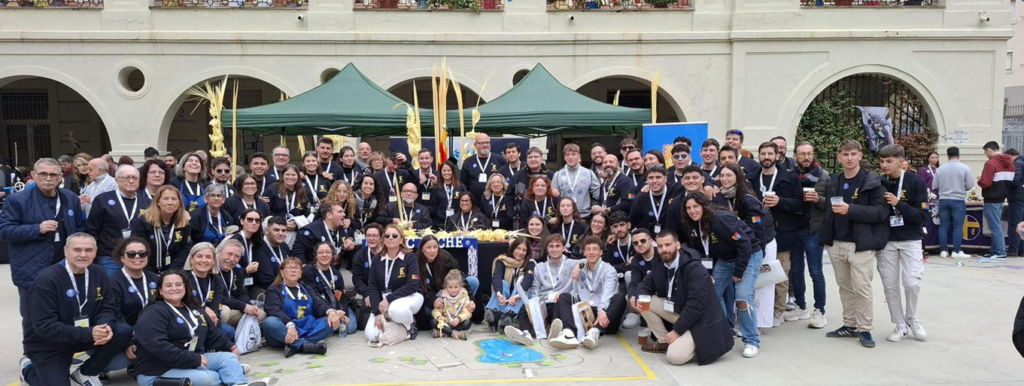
(452, 318)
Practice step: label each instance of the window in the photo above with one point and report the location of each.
(1009, 60)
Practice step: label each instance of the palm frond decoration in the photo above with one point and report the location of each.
(214, 96)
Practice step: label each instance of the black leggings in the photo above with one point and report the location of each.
(524, 318)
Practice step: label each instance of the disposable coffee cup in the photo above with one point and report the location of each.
(808, 190)
(769, 193)
(645, 303)
(643, 336)
(837, 200)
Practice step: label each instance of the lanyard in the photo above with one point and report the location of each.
(672, 274)
(263, 186)
(542, 213)
(229, 281)
(191, 326)
(143, 294)
(148, 194)
(408, 213)
(572, 182)
(495, 206)
(391, 187)
(712, 174)
(430, 273)
(135, 205)
(330, 283)
(246, 206)
(618, 246)
(705, 242)
(554, 281)
(899, 188)
(289, 199)
(610, 184)
(313, 186)
(591, 277)
(247, 246)
(199, 188)
(771, 185)
(427, 186)
(566, 234)
(449, 191)
(276, 254)
(292, 296)
(220, 221)
(351, 175)
(161, 243)
(276, 177)
(516, 170)
(56, 214)
(74, 284)
(330, 236)
(463, 218)
(202, 294)
(387, 270)
(483, 167)
(659, 206)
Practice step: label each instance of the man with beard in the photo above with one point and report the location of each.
(259, 164)
(363, 158)
(616, 192)
(779, 190)
(625, 147)
(597, 153)
(637, 170)
(514, 163)
(221, 168)
(649, 208)
(814, 180)
(785, 162)
(478, 168)
(325, 154)
(409, 210)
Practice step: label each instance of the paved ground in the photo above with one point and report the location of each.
(968, 309)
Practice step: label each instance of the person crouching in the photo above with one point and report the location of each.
(452, 318)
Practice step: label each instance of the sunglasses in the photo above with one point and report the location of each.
(680, 156)
(137, 254)
(252, 220)
(225, 171)
(391, 235)
(637, 243)
(737, 132)
(628, 148)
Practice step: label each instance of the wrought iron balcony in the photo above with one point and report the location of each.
(431, 5)
(637, 5)
(51, 3)
(868, 3)
(230, 3)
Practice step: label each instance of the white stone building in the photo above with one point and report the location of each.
(98, 77)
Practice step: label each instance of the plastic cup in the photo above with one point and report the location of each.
(837, 200)
(645, 303)
(769, 193)
(808, 190)
(643, 337)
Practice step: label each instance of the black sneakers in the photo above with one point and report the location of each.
(843, 332)
(866, 341)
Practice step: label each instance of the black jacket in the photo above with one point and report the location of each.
(211, 289)
(1015, 192)
(526, 273)
(236, 296)
(54, 307)
(754, 214)
(913, 206)
(162, 339)
(386, 182)
(235, 206)
(433, 276)
(404, 281)
(200, 223)
(361, 263)
(106, 219)
(317, 186)
(324, 289)
(529, 208)
(618, 256)
(617, 195)
(518, 187)
(639, 269)
(174, 256)
(270, 263)
(787, 213)
(309, 236)
(440, 203)
(731, 240)
(642, 214)
(750, 166)
(472, 168)
(695, 302)
(419, 215)
(122, 301)
(467, 221)
(502, 214)
(291, 205)
(868, 212)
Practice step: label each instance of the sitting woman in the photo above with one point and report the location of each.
(468, 218)
(537, 233)
(297, 319)
(246, 189)
(289, 197)
(327, 284)
(175, 340)
(511, 273)
(570, 225)
(496, 202)
(208, 289)
(540, 200)
(435, 263)
(251, 237)
(394, 293)
(369, 201)
(209, 223)
(129, 292)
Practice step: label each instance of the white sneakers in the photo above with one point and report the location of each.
(750, 351)
(944, 254)
(23, 364)
(898, 334)
(631, 321)
(918, 330)
(519, 336)
(590, 340)
(79, 379)
(777, 321)
(565, 339)
(796, 314)
(960, 255)
(246, 368)
(259, 382)
(818, 319)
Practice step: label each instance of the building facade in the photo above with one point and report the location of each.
(111, 76)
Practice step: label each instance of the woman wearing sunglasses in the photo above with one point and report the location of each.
(245, 198)
(209, 222)
(394, 286)
(129, 291)
(165, 226)
(297, 319)
(251, 237)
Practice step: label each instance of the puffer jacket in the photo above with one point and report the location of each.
(868, 212)
(31, 252)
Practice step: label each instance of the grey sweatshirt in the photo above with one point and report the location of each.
(543, 286)
(953, 180)
(580, 184)
(598, 286)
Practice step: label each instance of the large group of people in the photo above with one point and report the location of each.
(164, 261)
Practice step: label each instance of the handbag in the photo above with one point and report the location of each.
(771, 275)
(392, 334)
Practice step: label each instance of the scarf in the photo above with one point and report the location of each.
(811, 175)
(510, 266)
(729, 192)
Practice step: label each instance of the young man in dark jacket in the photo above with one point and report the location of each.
(814, 180)
(902, 260)
(996, 180)
(682, 294)
(854, 230)
(1015, 196)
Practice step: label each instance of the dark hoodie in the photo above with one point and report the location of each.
(996, 178)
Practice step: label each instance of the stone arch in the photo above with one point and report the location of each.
(672, 94)
(12, 74)
(463, 78)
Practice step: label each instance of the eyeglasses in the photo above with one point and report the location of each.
(177, 284)
(409, 191)
(369, 236)
(137, 254)
(629, 148)
(214, 195)
(128, 178)
(48, 176)
(680, 156)
(224, 171)
(292, 268)
(483, 143)
(248, 184)
(392, 235)
(637, 243)
(252, 220)
(280, 155)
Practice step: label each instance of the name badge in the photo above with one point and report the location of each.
(483, 177)
(449, 212)
(167, 260)
(425, 196)
(393, 199)
(708, 263)
(126, 233)
(247, 282)
(494, 224)
(669, 306)
(895, 221)
(193, 343)
(657, 229)
(82, 321)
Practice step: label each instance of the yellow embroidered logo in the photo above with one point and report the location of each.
(714, 239)
(855, 193)
(401, 272)
(177, 236)
(300, 312)
(99, 294)
(192, 206)
(323, 189)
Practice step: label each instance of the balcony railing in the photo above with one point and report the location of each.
(869, 3)
(51, 3)
(230, 3)
(431, 5)
(559, 5)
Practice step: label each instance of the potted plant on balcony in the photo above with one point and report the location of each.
(473, 5)
(489, 4)
(661, 3)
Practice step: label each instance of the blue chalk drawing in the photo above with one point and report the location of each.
(500, 351)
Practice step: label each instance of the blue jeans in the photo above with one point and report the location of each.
(474, 284)
(992, 214)
(276, 331)
(951, 215)
(1016, 216)
(222, 368)
(109, 264)
(227, 329)
(744, 291)
(810, 247)
(493, 304)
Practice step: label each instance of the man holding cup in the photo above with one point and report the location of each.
(815, 180)
(854, 230)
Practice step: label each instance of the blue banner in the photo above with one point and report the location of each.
(660, 136)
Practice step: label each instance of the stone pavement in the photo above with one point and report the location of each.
(967, 306)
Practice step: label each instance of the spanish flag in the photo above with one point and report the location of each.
(737, 236)
(924, 205)
(755, 220)
(442, 148)
(415, 277)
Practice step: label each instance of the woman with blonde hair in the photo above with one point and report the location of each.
(201, 266)
(394, 286)
(496, 202)
(165, 226)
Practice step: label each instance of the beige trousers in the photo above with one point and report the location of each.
(683, 349)
(232, 317)
(854, 273)
(782, 289)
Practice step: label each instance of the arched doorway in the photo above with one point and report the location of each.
(403, 91)
(894, 111)
(190, 127)
(40, 117)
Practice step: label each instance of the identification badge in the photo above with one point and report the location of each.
(495, 224)
(193, 343)
(126, 233)
(167, 260)
(82, 321)
(425, 196)
(247, 282)
(708, 263)
(483, 178)
(657, 229)
(449, 212)
(393, 199)
(895, 221)
(669, 306)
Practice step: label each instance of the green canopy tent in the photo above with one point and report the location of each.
(540, 105)
(348, 104)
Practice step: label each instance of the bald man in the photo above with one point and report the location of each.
(100, 181)
(110, 218)
(480, 166)
(407, 209)
(363, 157)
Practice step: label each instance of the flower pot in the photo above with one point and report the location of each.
(489, 4)
(591, 5)
(661, 6)
(559, 4)
(388, 4)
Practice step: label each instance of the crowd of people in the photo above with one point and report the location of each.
(164, 261)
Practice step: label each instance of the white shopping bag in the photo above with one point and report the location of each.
(771, 276)
(583, 315)
(247, 334)
(538, 312)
